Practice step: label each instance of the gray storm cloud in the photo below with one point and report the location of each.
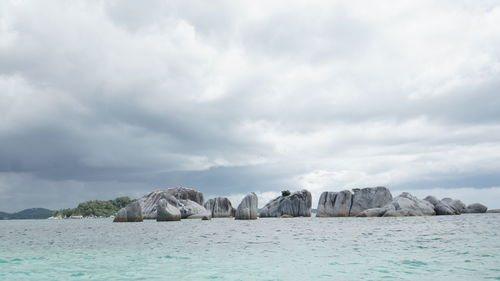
(107, 98)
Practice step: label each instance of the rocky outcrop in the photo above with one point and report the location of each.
(441, 208)
(476, 208)
(369, 198)
(220, 207)
(167, 211)
(457, 205)
(297, 204)
(402, 205)
(408, 205)
(206, 213)
(185, 193)
(334, 204)
(247, 209)
(376, 212)
(190, 208)
(130, 213)
(188, 201)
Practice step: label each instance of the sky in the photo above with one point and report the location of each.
(100, 99)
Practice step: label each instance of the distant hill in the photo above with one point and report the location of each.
(33, 213)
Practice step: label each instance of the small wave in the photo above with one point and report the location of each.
(175, 257)
(413, 263)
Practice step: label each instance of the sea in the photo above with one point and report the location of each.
(465, 247)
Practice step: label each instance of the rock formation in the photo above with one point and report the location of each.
(220, 207)
(334, 204)
(167, 211)
(402, 205)
(376, 212)
(201, 215)
(457, 205)
(190, 208)
(297, 204)
(408, 205)
(369, 198)
(130, 213)
(476, 208)
(188, 201)
(247, 210)
(440, 207)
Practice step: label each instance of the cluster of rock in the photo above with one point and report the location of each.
(378, 202)
(171, 204)
(402, 205)
(178, 203)
(187, 200)
(446, 206)
(345, 203)
(297, 204)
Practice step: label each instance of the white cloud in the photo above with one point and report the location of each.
(322, 94)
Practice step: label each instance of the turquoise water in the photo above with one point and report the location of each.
(465, 247)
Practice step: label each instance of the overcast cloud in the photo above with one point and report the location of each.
(100, 99)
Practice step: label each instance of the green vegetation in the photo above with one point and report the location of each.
(285, 192)
(96, 208)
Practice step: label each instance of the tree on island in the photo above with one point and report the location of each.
(98, 208)
(285, 192)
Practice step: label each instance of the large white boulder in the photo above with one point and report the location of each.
(220, 207)
(247, 209)
(166, 211)
(334, 204)
(130, 213)
(369, 198)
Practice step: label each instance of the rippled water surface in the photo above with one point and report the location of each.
(465, 247)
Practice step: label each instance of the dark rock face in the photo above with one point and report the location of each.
(441, 208)
(297, 204)
(334, 204)
(476, 208)
(369, 198)
(176, 196)
(166, 211)
(247, 210)
(220, 207)
(457, 205)
(130, 213)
